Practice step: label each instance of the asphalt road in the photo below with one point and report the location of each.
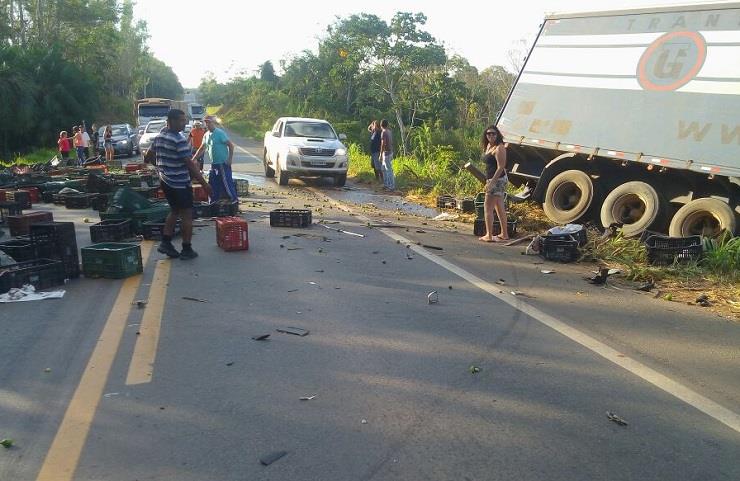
(93, 387)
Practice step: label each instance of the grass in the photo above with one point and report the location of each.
(34, 157)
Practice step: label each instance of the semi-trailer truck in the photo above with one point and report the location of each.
(632, 117)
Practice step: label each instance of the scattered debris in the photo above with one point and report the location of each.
(600, 278)
(547, 271)
(446, 216)
(433, 297)
(520, 240)
(449, 287)
(294, 248)
(111, 394)
(262, 337)
(272, 457)
(47, 370)
(614, 418)
(297, 331)
(28, 293)
(474, 369)
(343, 231)
(647, 287)
(432, 247)
(421, 231)
(521, 294)
(140, 303)
(364, 421)
(703, 300)
(293, 290)
(6, 443)
(230, 363)
(501, 281)
(668, 297)
(307, 398)
(194, 299)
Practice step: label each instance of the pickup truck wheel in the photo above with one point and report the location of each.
(569, 196)
(707, 217)
(635, 204)
(340, 180)
(282, 176)
(269, 171)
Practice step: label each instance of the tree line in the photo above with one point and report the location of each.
(65, 61)
(366, 68)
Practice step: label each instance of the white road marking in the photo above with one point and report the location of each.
(257, 159)
(674, 388)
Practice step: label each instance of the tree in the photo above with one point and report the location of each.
(267, 72)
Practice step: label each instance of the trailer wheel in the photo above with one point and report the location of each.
(707, 217)
(635, 204)
(569, 196)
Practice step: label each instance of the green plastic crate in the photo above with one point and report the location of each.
(111, 260)
(156, 213)
(77, 184)
(53, 186)
(130, 201)
(479, 203)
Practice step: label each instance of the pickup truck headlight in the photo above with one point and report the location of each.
(123, 142)
(293, 149)
(341, 152)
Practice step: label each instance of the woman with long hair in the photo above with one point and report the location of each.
(494, 156)
(108, 143)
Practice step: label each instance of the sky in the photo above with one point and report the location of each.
(233, 37)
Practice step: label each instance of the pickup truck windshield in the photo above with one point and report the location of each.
(318, 130)
(154, 127)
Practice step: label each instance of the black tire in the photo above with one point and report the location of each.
(340, 180)
(569, 196)
(280, 174)
(269, 171)
(708, 217)
(637, 205)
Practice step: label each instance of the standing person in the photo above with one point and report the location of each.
(171, 153)
(86, 140)
(195, 140)
(374, 129)
(386, 156)
(79, 144)
(221, 152)
(95, 140)
(64, 147)
(108, 143)
(494, 155)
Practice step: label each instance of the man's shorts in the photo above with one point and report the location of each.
(178, 198)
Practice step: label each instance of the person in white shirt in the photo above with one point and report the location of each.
(86, 139)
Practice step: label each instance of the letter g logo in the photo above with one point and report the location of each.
(671, 61)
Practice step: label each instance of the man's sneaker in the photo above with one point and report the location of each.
(168, 249)
(188, 254)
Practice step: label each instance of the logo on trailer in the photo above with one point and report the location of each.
(671, 61)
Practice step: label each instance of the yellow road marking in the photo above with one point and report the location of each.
(64, 454)
(142, 363)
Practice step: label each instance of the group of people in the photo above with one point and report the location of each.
(83, 143)
(381, 153)
(179, 160)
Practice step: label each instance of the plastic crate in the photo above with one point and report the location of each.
(57, 240)
(77, 184)
(40, 273)
(47, 197)
(580, 236)
(34, 192)
(224, 209)
(129, 201)
(135, 166)
(53, 186)
(480, 200)
(100, 202)
(479, 227)
(155, 230)
(242, 187)
(111, 260)
(467, 206)
(20, 224)
(663, 250)
(19, 249)
(78, 201)
(156, 213)
(113, 230)
(232, 234)
(202, 209)
(20, 197)
(290, 218)
(159, 195)
(199, 193)
(100, 184)
(446, 202)
(59, 199)
(560, 250)
(8, 209)
(147, 192)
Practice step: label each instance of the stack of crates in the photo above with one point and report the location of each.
(232, 234)
(57, 240)
(479, 226)
(21, 197)
(8, 209)
(112, 260)
(113, 230)
(20, 224)
(40, 273)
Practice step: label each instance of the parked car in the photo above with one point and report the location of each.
(304, 147)
(125, 139)
(150, 131)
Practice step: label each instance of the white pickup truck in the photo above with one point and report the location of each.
(304, 147)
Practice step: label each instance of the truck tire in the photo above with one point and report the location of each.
(280, 174)
(569, 196)
(340, 180)
(269, 171)
(635, 204)
(708, 217)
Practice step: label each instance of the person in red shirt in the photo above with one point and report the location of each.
(195, 140)
(64, 145)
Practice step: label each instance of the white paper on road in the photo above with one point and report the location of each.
(28, 293)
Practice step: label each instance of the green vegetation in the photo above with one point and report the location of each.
(33, 157)
(69, 60)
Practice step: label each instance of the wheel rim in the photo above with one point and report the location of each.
(629, 209)
(702, 223)
(566, 196)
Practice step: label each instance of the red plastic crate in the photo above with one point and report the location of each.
(159, 194)
(21, 224)
(232, 234)
(35, 194)
(135, 166)
(2, 195)
(199, 193)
